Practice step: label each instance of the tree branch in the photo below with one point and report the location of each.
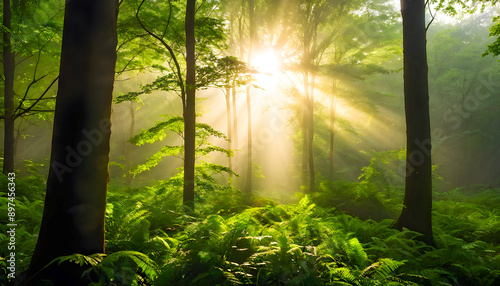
(430, 12)
(36, 102)
(169, 49)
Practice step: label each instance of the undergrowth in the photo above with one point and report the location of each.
(341, 235)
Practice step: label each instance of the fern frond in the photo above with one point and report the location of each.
(356, 253)
(143, 262)
(345, 274)
(381, 269)
(80, 259)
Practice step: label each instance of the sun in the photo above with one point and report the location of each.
(267, 62)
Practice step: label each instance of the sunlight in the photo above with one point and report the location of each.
(267, 62)
(268, 65)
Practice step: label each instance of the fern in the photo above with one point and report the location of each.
(143, 262)
(382, 269)
(356, 254)
(80, 259)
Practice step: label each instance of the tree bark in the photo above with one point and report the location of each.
(8, 70)
(75, 202)
(310, 136)
(305, 132)
(248, 186)
(229, 131)
(416, 214)
(235, 119)
(189, 108)
(332, 127)
(128, 147)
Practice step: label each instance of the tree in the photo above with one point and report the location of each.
(494, 48)
(228, 73)
(8, 71)
(180, 77)
(417, 210)
(359, 48)
(189, 111)
(252, 30)
(73, 216)
(25, 50)
(313, 16)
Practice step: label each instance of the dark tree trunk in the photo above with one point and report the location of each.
(189, 108)
(229, 131)
(75, 202)
(8, 71)
(17, 138)
(416, 214)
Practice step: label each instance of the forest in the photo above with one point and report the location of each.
(250, 142)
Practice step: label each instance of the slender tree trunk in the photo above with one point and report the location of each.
(332, 129)
(229, 131)
(310, 137)
(189, 109)
(248, 187)
(8, 70)
(17, 138)
(240, 29)
(128, 147)
(416, 214)
(75, 202)
(235, 120)
(305, 132)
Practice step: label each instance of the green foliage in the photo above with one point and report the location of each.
(123, 268)
(119, 268)
(175, 124)
(494, 48)
(80, 259)
(150, 240)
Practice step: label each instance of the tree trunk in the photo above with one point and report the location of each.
(248, 186)
(75, 202)
(17, 138)
(189, 108)
(128, 147)
(235, 120)
(416, 214)
(332, 127)
(305, 132)
(310, 137)
(8, 70)
(229, 131)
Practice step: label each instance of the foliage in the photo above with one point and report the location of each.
(151, 240)
(494, 48)
(203, 147)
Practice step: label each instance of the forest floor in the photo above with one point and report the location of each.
(340, 235)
